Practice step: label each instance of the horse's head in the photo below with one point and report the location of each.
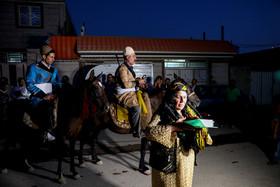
(96, 94)
(192, 97)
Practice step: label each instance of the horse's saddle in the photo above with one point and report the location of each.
(27, 117)
(121, 121)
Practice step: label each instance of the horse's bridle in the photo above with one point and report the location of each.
(99, 109)
(92, 109)
(191, 94)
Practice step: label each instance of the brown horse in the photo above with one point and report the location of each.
(94, 103)
(71, 115)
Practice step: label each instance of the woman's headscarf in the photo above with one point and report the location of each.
(177, 86)
(167, 109)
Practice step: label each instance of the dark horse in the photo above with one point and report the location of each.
(71, 117)
(94, 103)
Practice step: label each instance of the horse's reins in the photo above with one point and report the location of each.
(89, 108)
(144, 77)
(191, 94)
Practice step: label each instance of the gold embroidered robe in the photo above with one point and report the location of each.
(185, 158)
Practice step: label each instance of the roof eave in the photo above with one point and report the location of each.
(155, 53)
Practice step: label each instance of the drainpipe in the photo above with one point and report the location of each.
(83, 29)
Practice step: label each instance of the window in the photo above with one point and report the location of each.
(197, 65)
(15, 57)
(174, 63)
(29, 15)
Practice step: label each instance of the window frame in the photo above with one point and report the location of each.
(15, 57)
(175, 63)
(18, 20)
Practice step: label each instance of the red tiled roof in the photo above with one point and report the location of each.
(64, 47)
(102, 43)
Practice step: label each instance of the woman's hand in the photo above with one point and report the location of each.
(180, 127)
(181, 120)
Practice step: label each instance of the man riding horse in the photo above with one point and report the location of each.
(126, 87)
(43, 82)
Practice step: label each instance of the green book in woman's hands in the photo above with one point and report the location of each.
(200, 123)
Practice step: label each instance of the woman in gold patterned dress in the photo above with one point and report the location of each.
(164, 130)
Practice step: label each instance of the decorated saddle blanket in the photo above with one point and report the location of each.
(122, 113)
(119, 114)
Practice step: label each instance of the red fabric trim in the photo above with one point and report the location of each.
(87, 107)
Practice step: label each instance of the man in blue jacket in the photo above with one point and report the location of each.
(43, 82)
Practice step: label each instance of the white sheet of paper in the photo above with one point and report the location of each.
(45, 87)
(209, 123)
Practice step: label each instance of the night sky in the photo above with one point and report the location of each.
(252, 25)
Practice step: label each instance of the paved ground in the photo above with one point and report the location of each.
(234, 160)
(110, 142)
(229, 165)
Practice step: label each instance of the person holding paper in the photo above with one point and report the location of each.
(172, 162)
(43, 82)
(20, 92)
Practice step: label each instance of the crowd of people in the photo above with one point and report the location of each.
(147, 86)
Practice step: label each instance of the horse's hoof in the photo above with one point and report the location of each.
(99, 162)
(76, 177)
(4, 171)
(82, 165)
(145, 170)
(31, 169)
(62, 180)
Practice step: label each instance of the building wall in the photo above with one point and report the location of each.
(11, 37)
(28, 40)
(13, 71)
(67, 68)
(220, 73)
(242, 76)
(264, 85)
(158, 69)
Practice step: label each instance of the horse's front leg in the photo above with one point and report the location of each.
(142, 167)
(93, 139)
(72, 143)
(80, 157)
(4, 157)
(60, 151)
(27, 152)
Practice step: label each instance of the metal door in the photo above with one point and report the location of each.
(261, 87)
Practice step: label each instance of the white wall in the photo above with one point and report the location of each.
(220, 73)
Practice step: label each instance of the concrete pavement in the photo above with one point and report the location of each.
(229, 165)
(231, 161)
(110, 142)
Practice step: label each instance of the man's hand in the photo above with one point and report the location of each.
(49, 97)
(141, 81)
